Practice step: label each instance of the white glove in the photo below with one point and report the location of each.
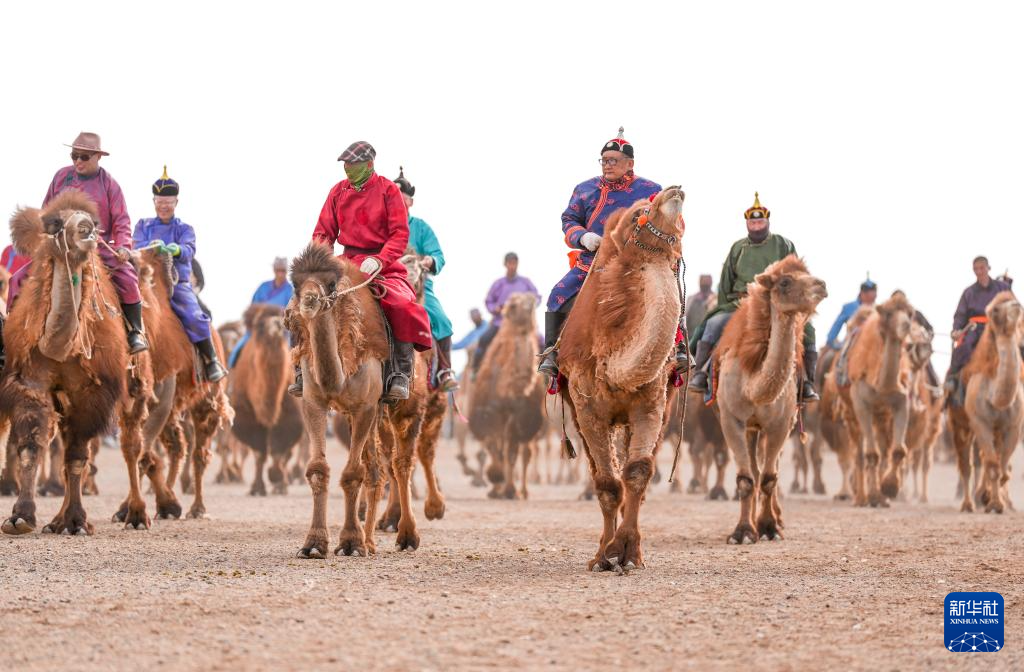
(591, 241)
(370, 265)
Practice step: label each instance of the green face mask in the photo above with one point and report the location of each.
(358, 173)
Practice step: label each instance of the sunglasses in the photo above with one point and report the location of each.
(80, 157)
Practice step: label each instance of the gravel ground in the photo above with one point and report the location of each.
(501, 585)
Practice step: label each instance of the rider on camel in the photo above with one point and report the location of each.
(747, 258)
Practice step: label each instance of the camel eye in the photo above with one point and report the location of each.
(785, 283)
(330, 287)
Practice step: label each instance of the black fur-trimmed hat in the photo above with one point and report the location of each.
(404, 185)
(619, 144)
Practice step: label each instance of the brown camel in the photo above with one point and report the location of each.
(994, 402)
(925, 420)
(267, 420)
(66, 354)
(758, 361)
(462, 432)
(706, 447)
(344, 344)
(879, 397)
(506, 412)
(617, 383)
(231, 451)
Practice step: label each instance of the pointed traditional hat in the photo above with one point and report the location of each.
(165, 186)
(404, 184)
(757, 211)
(619, 144)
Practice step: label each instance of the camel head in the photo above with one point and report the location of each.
(519, 311)
(654, 226)
(265, 321)
(69, 220)
(791, 288)
(919, 346)
(895, 317)
(316, 275)
(417, 271)
(1005, 315)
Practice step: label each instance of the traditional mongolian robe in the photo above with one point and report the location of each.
(971, 309)
(265, 293)
(184, 302)
(500, 290)
(425, 243)
(372, 221)
(746, 260)
(115, 228)
(592, 203)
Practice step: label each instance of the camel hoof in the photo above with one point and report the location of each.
(16, 526)
(434, 510)
(198, 514)
(732, 541)
(841, 497)
(597, 568)
(313, 553)
(747, 540)
(819, 489)
(81, 532)
(718, 493)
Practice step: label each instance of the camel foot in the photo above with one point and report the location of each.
(842, 497)
(316, 550)
(70, 523)
(8, 488)
(743, 534)
(297, 475)
(693, 487)
(510, 492)
(994, 506)
(587, 494)
(389, 521)
(876, 500)
(258, 489)
(198, 512)
(187, 489)
(18, 525)
(280, 488)
(967, 506)
(169, 510)
(718, 492)
(890, 488)
(923, 499)
(794, 488)
(478, 482)
(408, 540)
(55, 488)
(819, 488)
(433, 509)
(624, 549)
(769, 530)
(351, 543)
(137, 519)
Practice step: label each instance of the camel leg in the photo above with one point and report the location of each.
(606, 483)
(31, 435)
(769, 522)
(150, 462)
(720, 454)
(373, 485)
(898, 441)
(9, 477)
(526, 454)
(131, 448)
(743, 445)
(402, 457)
(53, 483)
(393, 510)
(801, 463)
(496, 469)
(318, 474)
(866, 479)
(926, 456)
(818, 487)
(481, 463)
(173, 440)
(988, 484)
(296, 475)
(72, 519)
(510, 456)
(187, 457)
(844, 455)
(963, 443)
(259, 487)
(205, 420)
(1011, 437)
(697, 455)
(426, 451)
(89, 486)
(352, 540)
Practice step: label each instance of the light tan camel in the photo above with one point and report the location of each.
(343, 347)
(925, 412)
(618, 384)
(506, 412)
(994, 401)
(231, 451)
(879, 395)
(758, 360)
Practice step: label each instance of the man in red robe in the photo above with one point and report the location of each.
(366, 214)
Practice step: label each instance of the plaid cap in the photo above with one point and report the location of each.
(358, 152)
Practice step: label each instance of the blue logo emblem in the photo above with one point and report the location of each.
(974, 622)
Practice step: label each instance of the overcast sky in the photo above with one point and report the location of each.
(884, 137)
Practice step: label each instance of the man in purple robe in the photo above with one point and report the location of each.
(512, 283)
(115, 229)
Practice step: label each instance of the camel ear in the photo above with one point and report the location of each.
(765, 280)
(52, 223)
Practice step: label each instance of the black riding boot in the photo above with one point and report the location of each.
(552, 330)
(401, 378)
(133, 316)
(213, 368)
(445, 376)
(807, 392)
(699, 381)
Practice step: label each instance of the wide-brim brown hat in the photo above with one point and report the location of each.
(89, 142)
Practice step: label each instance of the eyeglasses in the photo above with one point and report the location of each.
(80, 157)
(608, 162)
(165, 200)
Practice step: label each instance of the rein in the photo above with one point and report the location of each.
(326, 301)
(641, 222)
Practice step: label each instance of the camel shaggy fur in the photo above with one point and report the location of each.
(66, 358)
(994, 402)
(617, 385)
(758, 360)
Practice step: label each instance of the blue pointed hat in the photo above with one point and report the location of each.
(165, 186)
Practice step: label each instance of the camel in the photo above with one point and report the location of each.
(758, 360)
(506, 412)
(994, 402)
(617, 385)
(436, 406)
(706, 447)
(231, 451)
(879, 397)
(462, 432)
(267, 420)
(925, 420)
(66, 354)
(343, 347)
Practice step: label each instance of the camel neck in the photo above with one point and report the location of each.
(1008, 372)
(777, 368)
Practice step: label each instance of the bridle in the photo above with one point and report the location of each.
(325, 300)
(641, 222)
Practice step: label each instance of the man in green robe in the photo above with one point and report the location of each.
(424, 242)
(747, 258)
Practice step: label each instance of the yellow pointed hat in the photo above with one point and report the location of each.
(757, 211)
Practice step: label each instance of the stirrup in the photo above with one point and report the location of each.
(397, 391)
(214, 371)
(137, 342)
(295, 389)
(447, 381)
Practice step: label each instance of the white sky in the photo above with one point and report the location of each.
(884, 137)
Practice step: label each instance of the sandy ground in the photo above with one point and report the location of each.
(500, 585)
